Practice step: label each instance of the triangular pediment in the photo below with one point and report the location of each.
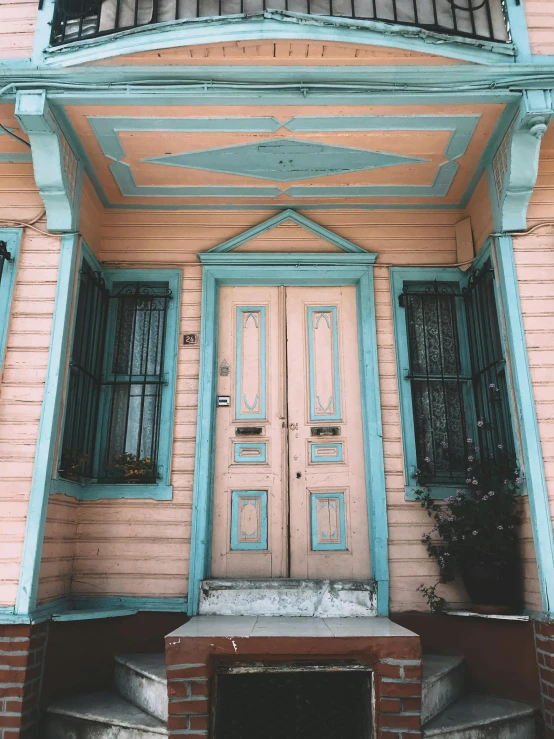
(293, 233)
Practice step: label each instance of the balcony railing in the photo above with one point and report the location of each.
(85, 19)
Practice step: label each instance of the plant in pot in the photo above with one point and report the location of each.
(131, 468)
(71, 463)
(475, 534)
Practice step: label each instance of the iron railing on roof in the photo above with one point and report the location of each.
(84, 19)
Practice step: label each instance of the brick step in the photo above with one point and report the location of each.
(100, 715)
(141, 679)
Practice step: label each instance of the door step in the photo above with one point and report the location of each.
(285, 597)
(443, 684)
(141, 679)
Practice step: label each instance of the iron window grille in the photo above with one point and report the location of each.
(457, 373)
(481, 19)
(5, 256)
(116, 379)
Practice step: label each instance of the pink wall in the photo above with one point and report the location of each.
(540, 22)
(24, 369)
(141, 547)
(17, 28)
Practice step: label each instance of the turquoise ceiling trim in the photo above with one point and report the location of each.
(284, 160)
(15, 157)
(107, 130)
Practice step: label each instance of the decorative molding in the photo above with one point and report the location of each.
(287, 159)
(285, 216)
(328, 521)
(58, 172)
(515, 167)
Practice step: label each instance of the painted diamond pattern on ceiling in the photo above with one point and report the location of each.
(284, 160)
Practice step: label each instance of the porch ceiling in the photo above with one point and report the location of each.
(280, 155)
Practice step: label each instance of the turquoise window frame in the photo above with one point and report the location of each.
(12, 237)
(162, 490)
(458, 278)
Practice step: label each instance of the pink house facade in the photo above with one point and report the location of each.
(259, 265)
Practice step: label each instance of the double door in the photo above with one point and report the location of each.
(290, 496)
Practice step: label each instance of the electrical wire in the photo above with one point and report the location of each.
(14, 136)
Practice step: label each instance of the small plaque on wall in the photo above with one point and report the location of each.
(190, 339)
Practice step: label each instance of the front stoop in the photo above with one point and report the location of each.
(287, 597)
(136, 709)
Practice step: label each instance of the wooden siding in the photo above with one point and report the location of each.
(17, 28)
(280, 53)
(90, 217)
(479, 210)
(540, 22)
(22, 388)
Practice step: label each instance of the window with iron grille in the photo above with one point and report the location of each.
(118, 381)
(454, 385)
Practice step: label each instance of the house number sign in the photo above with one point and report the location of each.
(190, 339)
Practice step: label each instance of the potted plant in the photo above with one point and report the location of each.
(130, 467)
(71, 463)
(475, 535)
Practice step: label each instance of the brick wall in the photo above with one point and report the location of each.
(22, 651)
(544, 644)
(395, 662)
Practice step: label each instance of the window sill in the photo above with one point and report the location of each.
(159, 491)
(438, 492)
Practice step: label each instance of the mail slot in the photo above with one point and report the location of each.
(249, 431)
(325, 430)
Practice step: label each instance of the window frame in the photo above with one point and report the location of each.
(12, 237)
(89, 489)
(458, 278)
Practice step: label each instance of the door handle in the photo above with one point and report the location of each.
(298, 475)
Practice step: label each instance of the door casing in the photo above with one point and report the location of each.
(353, 267)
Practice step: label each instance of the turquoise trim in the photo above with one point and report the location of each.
(528, 424)
(283, 274)
(324, 404)
(95, 491)
(48, 429)
(245, 314)
(260, 447)
(337, 446)
(317, 545)
(12, 237)
(237, 499)
(519, 31)
(276, 25)
(15, 157)
(81, 608)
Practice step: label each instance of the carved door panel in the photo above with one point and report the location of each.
(250, 501)
(327, 490)
(289, 484)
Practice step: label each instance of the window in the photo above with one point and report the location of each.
(453, 383)
(9, 248)
(119, 406)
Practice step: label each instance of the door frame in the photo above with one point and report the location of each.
(296, 269)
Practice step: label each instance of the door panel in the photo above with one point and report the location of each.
(289, 485)
(250, 501)
(328, 502)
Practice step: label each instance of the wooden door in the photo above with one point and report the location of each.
(289, 483)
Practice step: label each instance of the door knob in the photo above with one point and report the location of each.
(298, 475)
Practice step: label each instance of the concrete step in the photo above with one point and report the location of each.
(141, 679)
(443, 684)
(100, 716)
(286, 597)
(483, 717)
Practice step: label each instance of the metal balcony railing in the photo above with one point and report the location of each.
(84, 19)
